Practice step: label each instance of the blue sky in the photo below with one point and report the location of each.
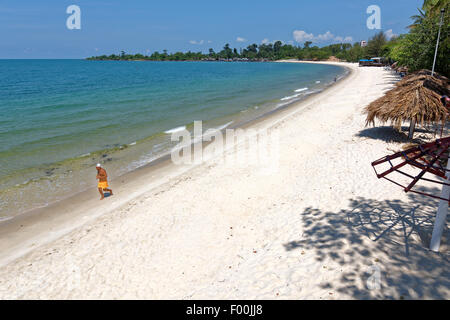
(37, 29)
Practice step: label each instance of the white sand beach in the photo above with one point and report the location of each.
(322, 227)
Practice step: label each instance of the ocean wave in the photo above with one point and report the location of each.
(2, 219)
(315, 91)
(318, 81)
(282, 104)
(145, 160)
(133, 143)
(85, 155)
(224, 126)
(175, 130)
(301, 90)
(290, 97)
(157, 146)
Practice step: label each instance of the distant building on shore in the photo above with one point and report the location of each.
(363, 43)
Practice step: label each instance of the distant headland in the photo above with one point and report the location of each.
(255, 53)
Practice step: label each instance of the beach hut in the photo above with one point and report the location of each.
(365, 62)
(416, 98)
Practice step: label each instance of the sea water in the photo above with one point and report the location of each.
(58, 118)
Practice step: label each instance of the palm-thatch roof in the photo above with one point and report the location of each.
(416, 97)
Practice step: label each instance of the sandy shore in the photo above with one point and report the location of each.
(321, 227)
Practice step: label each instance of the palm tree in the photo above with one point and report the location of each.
(433, 7)
(418, 19)
(430, 9)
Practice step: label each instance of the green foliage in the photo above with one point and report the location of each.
(433, 7)
(263, 52)
(417, 48)
(376, 46)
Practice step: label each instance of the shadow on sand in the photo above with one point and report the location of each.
(389, 134)
(392, 234)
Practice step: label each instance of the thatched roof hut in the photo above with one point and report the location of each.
(416, 98)
(402, 69)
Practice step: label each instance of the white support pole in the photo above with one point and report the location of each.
(437, 43)
(441, 215)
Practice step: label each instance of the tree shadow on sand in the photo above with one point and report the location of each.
(393, 235)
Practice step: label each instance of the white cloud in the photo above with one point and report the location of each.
(326, 36)
(240, 39)
(197, 42)
(390, 34)
(301, 36)
(343, 40)
(265, 41)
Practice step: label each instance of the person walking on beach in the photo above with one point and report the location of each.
(102, 178)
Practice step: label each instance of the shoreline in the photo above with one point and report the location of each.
(312, 230)
(44, 181)
(28, 228)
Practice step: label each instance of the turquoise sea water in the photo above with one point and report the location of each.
(60, 117)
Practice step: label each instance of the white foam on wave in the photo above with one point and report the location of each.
(84, 155)
(144, 160)
(2, 219)
(317, 81)
(175, 130)
(301, 90)
(224, 126)
(282, 104)
(315, 91)
(157, 146)
(133, 143)
(290, 97)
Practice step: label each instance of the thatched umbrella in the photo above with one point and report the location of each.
(415, 98)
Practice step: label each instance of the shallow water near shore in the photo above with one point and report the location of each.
(60, 117)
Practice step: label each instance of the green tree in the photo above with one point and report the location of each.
(433, 7)
(227, 52)
(376, 45)
(416, 49)
(277, 46)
